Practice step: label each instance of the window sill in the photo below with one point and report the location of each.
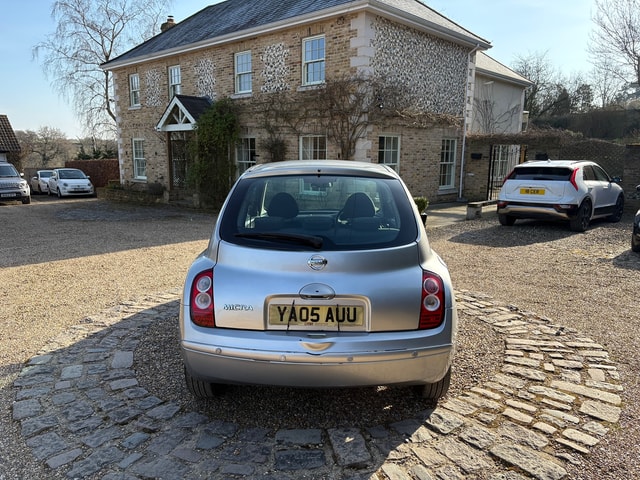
(311, 86)
(236, 96)
(447, 191)
(135, 107)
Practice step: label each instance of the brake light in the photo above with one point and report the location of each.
(202, 300)
(432, 306)
(508, 177)
(573, 179)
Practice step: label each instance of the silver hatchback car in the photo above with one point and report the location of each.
(318, 274)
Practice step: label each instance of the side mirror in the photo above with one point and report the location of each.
(637, 188)
(616, 180)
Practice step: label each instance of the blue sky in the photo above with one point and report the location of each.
(514, 27)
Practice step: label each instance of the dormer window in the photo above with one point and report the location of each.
(313, 60)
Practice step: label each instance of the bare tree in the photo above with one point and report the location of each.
(89, 33)
(342, 108)
(606, 85)
(45, 148)
(615, 41)
(536, 68)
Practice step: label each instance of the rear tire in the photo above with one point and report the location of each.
(506, 220)
(635, 244)
(580, 222)
(201, 389)
(616, 216)
(433, 391)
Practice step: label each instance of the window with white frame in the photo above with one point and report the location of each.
(448, 163)
(313, 60)
(389, 150)
(139, 162)
(175, 81)
(245, 154)
(313, 147)
(243, 72)
(134, 90)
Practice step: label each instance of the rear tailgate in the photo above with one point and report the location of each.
(250, 287)
(538, 191)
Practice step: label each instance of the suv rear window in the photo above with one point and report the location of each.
(559, 174)
(319, 212)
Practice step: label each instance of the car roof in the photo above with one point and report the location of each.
(324, 167)
(555, 163)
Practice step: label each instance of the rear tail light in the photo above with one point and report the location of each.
(508, 177)
(202, 300)
(432, 306)
(573, 179)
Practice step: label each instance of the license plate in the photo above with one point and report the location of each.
(532, 191)
(316, 316)
(6, 195)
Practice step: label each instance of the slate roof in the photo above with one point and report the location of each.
(233, 17)
(491, 67)
(8, 140)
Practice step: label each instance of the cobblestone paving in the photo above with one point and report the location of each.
(83, 413)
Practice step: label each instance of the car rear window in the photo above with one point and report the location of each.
(319, 212)
(560, 174)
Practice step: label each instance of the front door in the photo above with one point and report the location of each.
(179, 150)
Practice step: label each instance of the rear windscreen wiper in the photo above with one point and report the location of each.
(311, 240)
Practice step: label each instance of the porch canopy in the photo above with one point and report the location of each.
(182, 113)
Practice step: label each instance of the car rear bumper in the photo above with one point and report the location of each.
(537, 210)
(236, 366)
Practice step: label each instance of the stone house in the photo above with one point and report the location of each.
(249, 50)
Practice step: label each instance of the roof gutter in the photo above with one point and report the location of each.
(464, 122)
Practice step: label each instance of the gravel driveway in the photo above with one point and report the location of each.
(65, 260)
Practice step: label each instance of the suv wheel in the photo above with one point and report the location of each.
(506, 220)
(635, 245)
(617, 210)
(26, 200)
(580, 222)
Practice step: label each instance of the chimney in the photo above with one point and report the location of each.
(168, 24)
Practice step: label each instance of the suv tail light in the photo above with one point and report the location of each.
(509, 177)
(202, 300)
(573, 179)
(432, 305)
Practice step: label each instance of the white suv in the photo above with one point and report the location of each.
(573, 190)
(12, 185)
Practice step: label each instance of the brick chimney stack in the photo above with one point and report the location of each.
(168, 24)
